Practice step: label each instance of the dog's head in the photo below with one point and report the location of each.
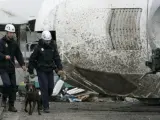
(30, 87)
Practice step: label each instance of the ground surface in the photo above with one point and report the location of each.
(90, 111)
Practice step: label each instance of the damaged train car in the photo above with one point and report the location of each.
(104, 43)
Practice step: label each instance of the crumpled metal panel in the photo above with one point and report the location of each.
(125, 28)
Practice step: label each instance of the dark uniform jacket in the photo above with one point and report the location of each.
(44, 58)
(11, 48)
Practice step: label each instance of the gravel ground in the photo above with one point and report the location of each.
(90, 111)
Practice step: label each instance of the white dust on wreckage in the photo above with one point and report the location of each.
(104, 45)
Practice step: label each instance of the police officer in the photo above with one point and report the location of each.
(45, 58)
(9, 50)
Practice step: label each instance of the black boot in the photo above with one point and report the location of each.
(5, 94)
(12, 98)
(46, 110)
(12, 109)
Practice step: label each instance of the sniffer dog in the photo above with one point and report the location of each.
(32, 96)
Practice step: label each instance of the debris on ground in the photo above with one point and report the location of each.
(83, 98)
(68, 93)
(129, 99)
(75, 91)
(118, 98)
(88, 96)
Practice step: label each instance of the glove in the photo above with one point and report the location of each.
(62, 74)
(7, 57)
(32, 76)
(24, 68)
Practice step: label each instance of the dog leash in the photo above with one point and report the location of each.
(15, 67)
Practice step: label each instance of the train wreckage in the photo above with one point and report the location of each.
(104, 44)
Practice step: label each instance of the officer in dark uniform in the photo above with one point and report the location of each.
(45, 58)
(9, 50)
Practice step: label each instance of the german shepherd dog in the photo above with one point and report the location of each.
(32, 96)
